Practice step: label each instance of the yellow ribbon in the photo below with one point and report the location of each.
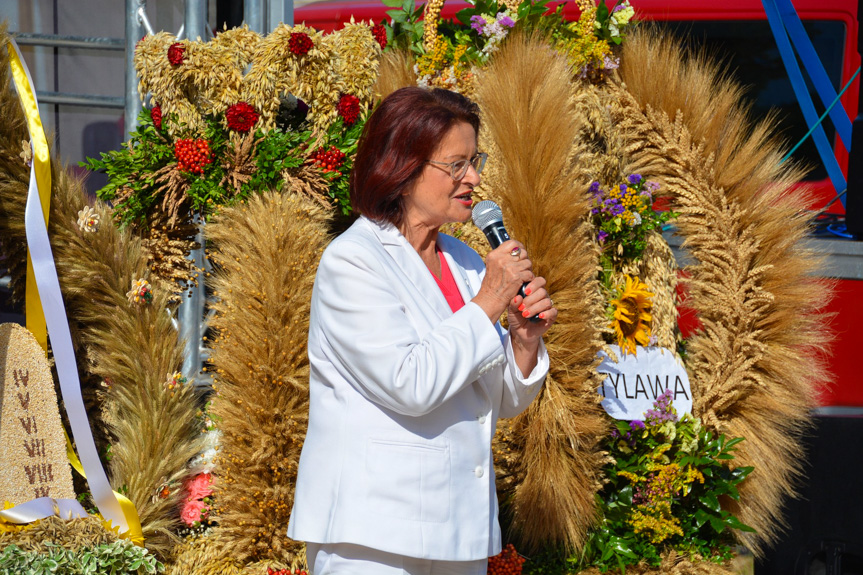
(33, 306)
(135, 533)
(42, 164)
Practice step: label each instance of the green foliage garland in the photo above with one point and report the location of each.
(117, 558)
(139, 172)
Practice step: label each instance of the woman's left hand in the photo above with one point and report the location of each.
(520, 309)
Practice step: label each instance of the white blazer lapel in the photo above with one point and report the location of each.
(411, 265)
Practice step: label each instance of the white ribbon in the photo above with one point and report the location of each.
(43, 507)
(64, 353)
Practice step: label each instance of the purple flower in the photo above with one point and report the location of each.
(617, 210)
(594, 188)
(614, 434)
(635, 179)
(651, 187)
(636, 424)
(505, 21)
(594, 211)
(623, 188)
(611, 63)
(478, 23)
(662, 411)
(601, 236)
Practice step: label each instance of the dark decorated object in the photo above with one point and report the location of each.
(825, 524)
(854, 199)
(291, 114)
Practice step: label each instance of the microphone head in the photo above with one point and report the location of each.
(486, 213)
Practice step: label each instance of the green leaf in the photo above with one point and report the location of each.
(733, 442)
(717, 524)
(735, 523)
(463, 16)
(710, 501)
(397, 15)
(393, 3)
(602, 12)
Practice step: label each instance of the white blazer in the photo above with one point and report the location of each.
(404, 399)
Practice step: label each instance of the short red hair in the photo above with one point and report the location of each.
(398, 138)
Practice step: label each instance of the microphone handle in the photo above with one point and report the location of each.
(496, 234)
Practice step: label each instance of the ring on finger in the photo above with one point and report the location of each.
(514, 252)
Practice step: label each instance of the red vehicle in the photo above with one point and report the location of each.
(738, 32)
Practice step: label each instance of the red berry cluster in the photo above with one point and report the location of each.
(508, 562)
(300, 43)
(329, 160)
(380, 34)
(156, 116)
(192, 155)
(349, 108)
(176, 54)
(271, 571)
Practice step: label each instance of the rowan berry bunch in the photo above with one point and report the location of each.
(271, 571)
(192, 155)
(329, 160)
(507, 562)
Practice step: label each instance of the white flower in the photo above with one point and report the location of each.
(89, 220)
(26, 153)
(636, 219)
(623, 16)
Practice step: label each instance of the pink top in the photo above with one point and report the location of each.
(447, 285)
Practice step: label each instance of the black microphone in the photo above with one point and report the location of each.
(488, 217)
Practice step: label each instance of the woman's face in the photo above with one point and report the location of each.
(436, 198)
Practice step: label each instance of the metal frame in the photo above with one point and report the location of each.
(261, 16)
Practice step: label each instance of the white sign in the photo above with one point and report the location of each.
(634, 383)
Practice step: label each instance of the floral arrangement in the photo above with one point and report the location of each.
(198, 503)
(588, 41)
(141, 292)
(448, 53)
(664, 492)
(623, 217)
(199, 175)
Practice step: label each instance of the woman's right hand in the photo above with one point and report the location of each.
(505, 273)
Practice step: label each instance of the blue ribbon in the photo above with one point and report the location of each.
(795, 75)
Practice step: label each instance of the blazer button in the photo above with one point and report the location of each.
(478, 471)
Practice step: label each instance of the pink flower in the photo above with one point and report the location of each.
(200, 486)
(192, 511)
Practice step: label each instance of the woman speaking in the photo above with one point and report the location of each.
(409, 368)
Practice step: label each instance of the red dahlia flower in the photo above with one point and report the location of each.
(300, 43)
(349, 108)
(176, 54)
(380, 34)
(241, 117)
(156, 116)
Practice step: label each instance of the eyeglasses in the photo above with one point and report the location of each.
(458, 169)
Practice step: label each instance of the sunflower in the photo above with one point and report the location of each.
(631, 319)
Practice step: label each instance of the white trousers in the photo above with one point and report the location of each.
(348, 559)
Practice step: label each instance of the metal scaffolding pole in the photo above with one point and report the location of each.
(191, 310)
(196, 20)
(134, 32)
(253, 15)
(280, 11)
